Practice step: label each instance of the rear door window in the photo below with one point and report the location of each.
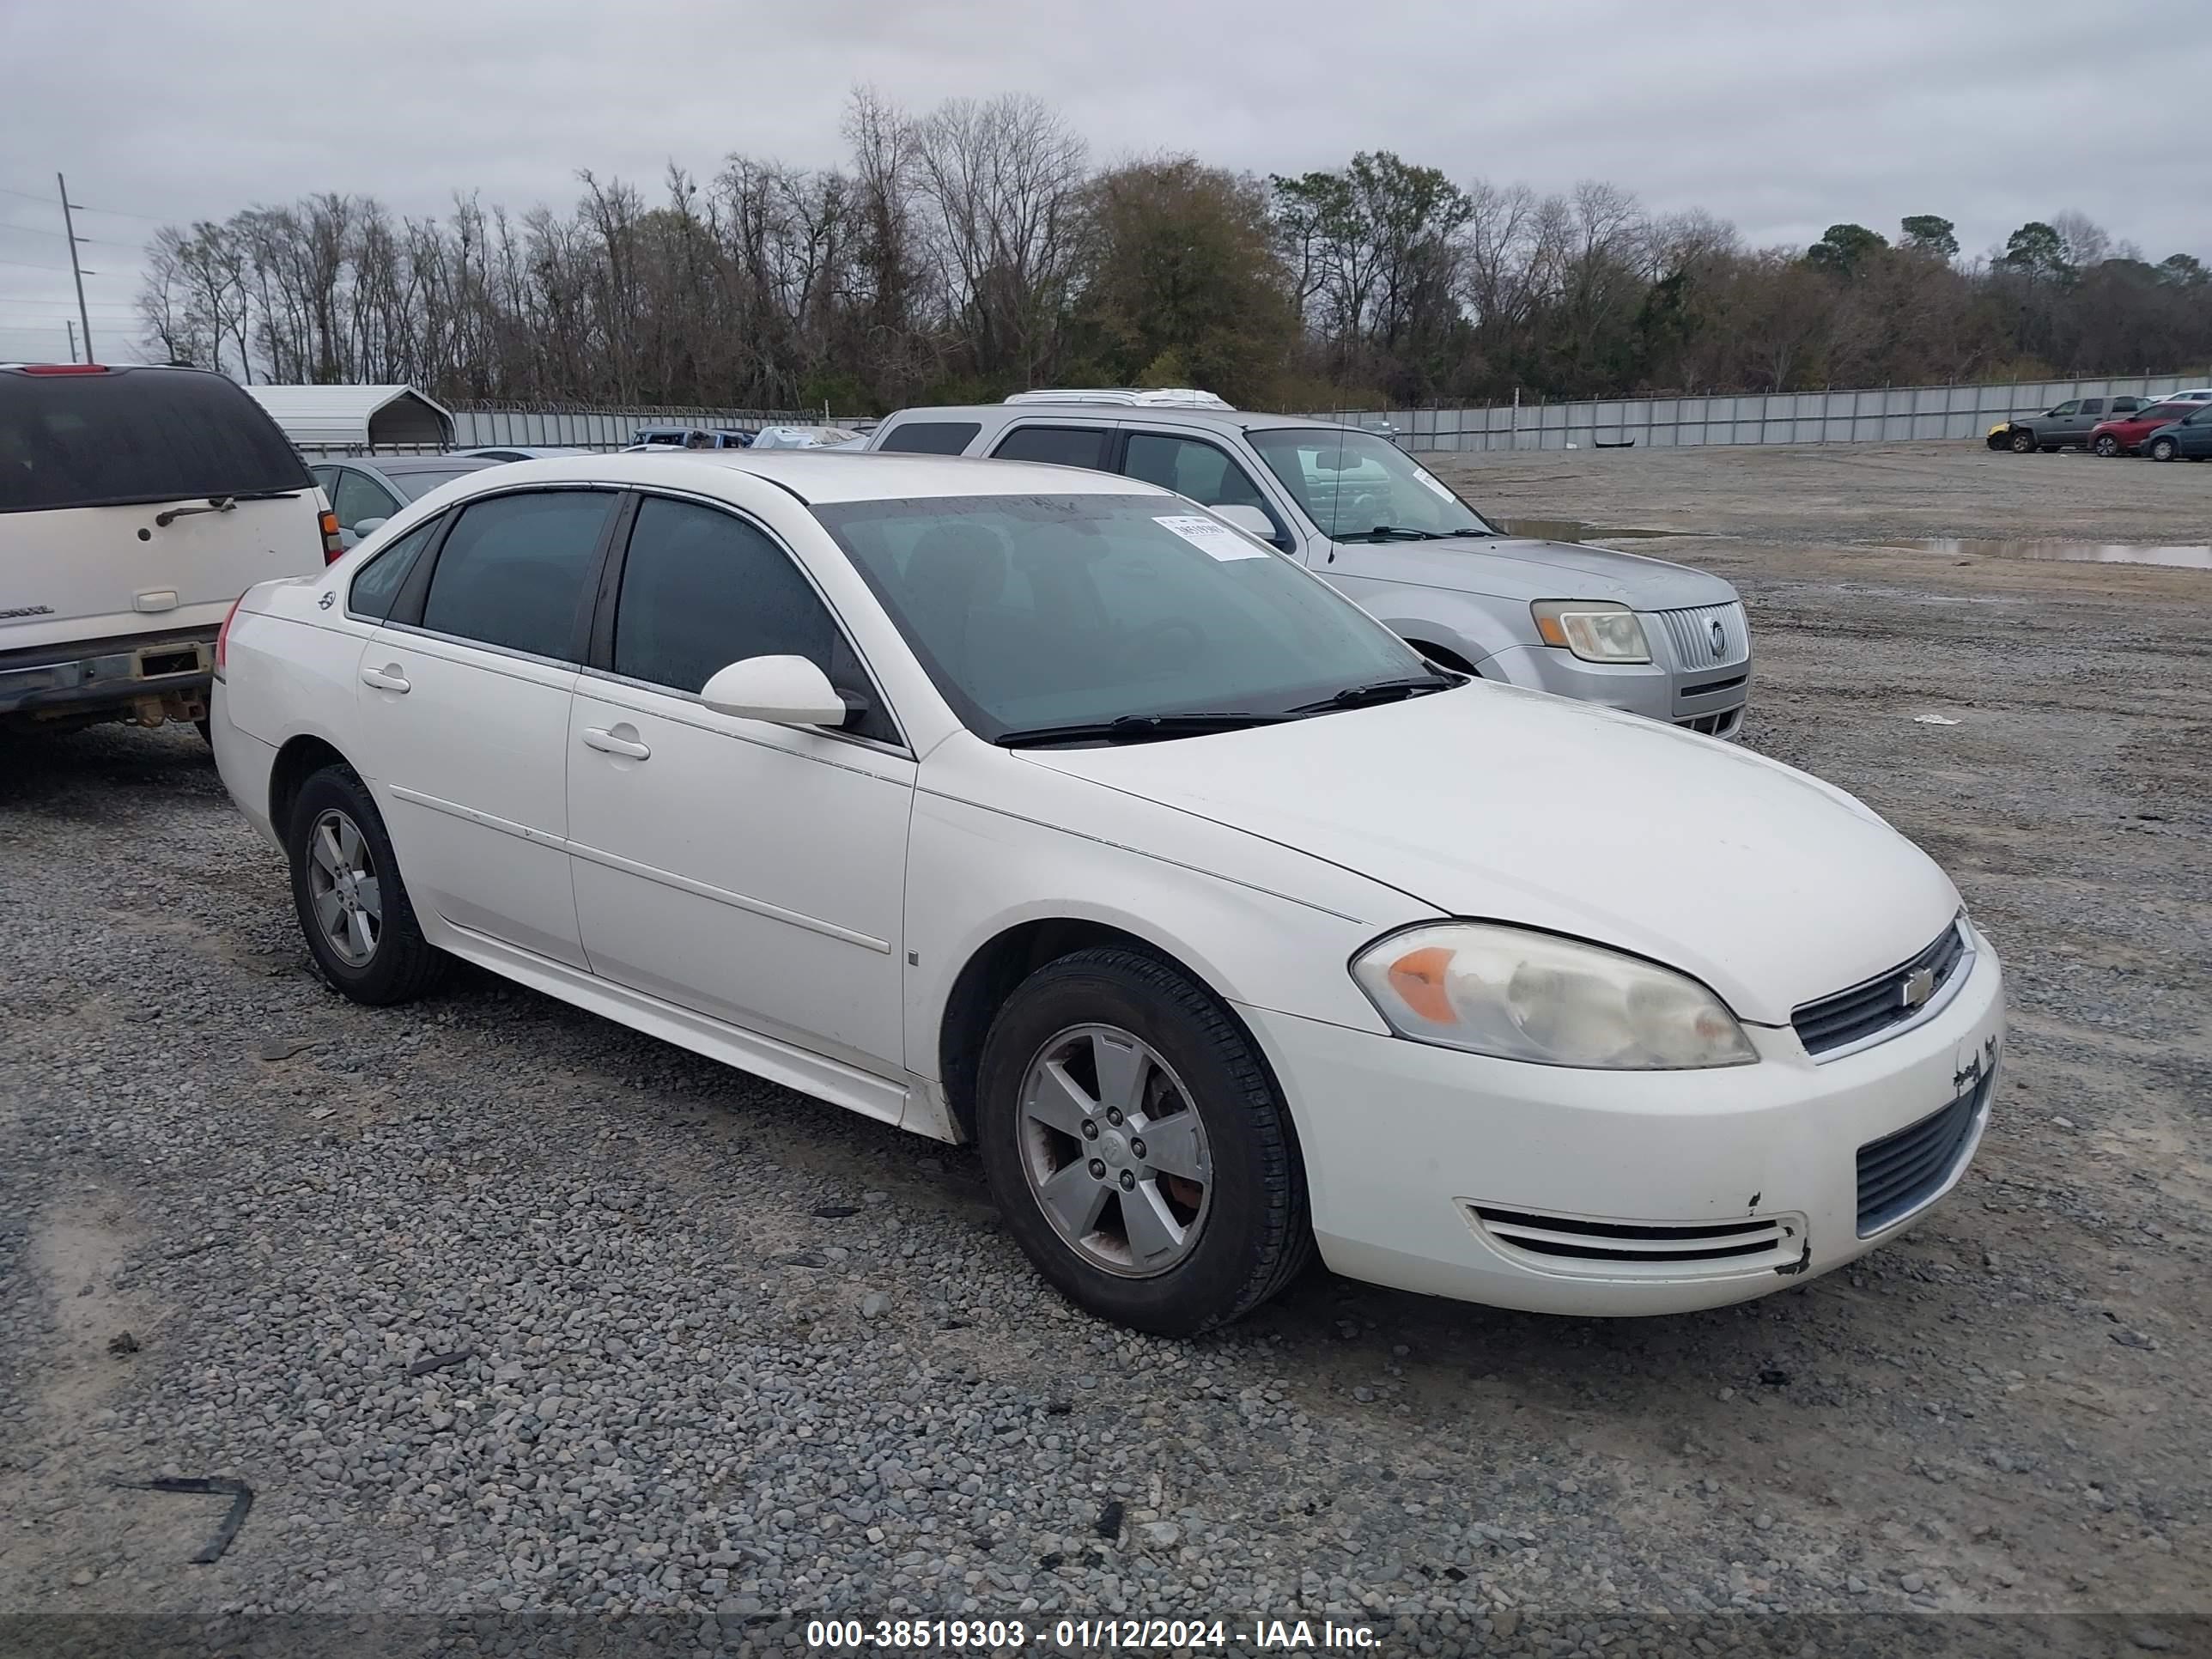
(1061, 445)
(930, 437)
(136, 435)
(513, 571)
(382, 577)
(2092, 405)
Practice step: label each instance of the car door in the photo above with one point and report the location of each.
(752, 872)
(1202, 470)
(2196, 432)
(463, 709)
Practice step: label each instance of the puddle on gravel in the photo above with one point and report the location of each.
(1569, 530)
(2186, 556)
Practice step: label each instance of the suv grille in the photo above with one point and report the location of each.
(1883, 1001)
(1901, 1172)
(1690, 633)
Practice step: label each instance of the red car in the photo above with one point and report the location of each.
(2120, 437)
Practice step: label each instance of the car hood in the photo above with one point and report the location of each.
(1510, 567)
(1492, 802)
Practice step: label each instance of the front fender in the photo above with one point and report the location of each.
(1472, 627)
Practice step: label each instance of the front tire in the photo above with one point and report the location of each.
(2108, 447)
(2164, 449)
(1138, 1147)
(2023, 442)
(353, 908)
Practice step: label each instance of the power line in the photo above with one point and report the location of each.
(112, 213)
(36, 230)
(28, 265)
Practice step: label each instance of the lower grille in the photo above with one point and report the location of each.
(1885, 1000)
(1570, 1243)
(1901, 1172)
(1722, 725)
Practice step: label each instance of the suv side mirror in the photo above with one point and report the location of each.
(361, 527)
(781, 691)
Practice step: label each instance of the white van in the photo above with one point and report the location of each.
(136, 505)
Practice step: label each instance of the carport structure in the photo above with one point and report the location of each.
(357, 419)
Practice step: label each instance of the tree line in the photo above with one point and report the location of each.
(978, 249)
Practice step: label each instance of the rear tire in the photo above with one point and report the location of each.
(1110, 1025)
(353, 908)
(206, 731)
(2023, 442)
(2164, 449)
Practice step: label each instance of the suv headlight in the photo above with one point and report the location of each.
(1596, 630)
(1518, 995)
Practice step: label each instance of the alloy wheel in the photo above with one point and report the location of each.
(343, 888)
(1115, 1151)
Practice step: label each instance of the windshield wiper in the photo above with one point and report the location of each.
(1391, 533)
(1354, 696)
(1134, 728)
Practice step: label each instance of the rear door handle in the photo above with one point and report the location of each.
(608, 743)
(387, 678)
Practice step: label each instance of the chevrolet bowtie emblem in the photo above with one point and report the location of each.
(1919, 985)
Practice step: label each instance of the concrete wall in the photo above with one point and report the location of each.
(1889, 414)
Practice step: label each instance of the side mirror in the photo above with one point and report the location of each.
(1249, 520)
(781, 691)
(362, 527)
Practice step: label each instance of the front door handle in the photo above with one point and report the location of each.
(612, 743)
(387, 678)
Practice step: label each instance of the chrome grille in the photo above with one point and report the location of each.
(1690, 632)
(1834, 1022)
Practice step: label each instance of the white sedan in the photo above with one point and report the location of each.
(1042, 810)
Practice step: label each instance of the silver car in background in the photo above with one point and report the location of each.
(1632, 632)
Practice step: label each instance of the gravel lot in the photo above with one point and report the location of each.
(725, 1349)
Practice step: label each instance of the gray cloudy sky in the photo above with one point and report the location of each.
(1782, 120)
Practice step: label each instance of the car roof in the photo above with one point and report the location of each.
(821, 476)
(1224, 420)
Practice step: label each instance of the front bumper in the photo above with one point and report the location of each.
(1709, 701)
(1557, 1190)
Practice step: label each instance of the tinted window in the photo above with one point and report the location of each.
(932, 437)
(1040, 610)
(701, 589)
(1062, 446)
(147, 435)
(2092, 405)
(360, 496)
(381, 579)
(514, 570)
(1194, 469)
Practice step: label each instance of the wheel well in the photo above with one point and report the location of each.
(989, 979)
(1445, 658)
(296, 761)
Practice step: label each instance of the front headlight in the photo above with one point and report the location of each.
(1518, 995)
(1596, 630)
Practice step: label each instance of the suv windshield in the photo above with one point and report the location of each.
(1049, 618)
(135, 435)
(1357, 487)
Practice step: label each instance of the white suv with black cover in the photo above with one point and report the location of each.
(136, 504)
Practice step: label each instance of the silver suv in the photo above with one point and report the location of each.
(1653, 638)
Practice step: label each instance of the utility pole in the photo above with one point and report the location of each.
(72, 329)
(76, 270)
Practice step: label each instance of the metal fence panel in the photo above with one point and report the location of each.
(1856, 415)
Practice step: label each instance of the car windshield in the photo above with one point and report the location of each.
(1038, 613)
(1356, 486)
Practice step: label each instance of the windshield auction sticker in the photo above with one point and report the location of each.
(1211, 535)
